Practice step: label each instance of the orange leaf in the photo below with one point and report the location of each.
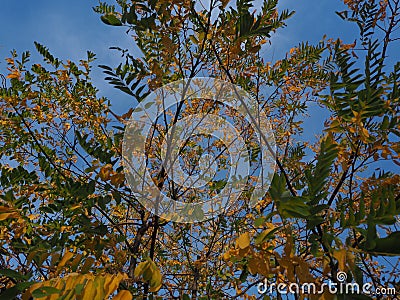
(105, 172)
(14, 74)
(117, 179)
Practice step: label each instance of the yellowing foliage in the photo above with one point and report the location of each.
(8, 213)
(333, 205)
(105, 172)
(149, 273)
(82, 286)
(243, 240)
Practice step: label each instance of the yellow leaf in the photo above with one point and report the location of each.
(140, 268)
(193, 39)
(201, 36)
(364, 132)
(123, 295)
(335, 126)
(151, 273)
(90, 291)
(155, 288)
(11, 215)
(65, 228)
(288, 249)
(71, 280)
(4, 209)
(226, 255)
(340, 255)
(99, 284)
(33, 217)
(97, 287)
(156, 279)
(67, 256)
(75, 207)
(147, 274)
(357, 117)
(261, 237)
(112, 282)
(8, 213)
(244, 240)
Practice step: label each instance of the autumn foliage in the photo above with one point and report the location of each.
(71, 228)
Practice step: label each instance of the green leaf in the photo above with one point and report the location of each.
(314, 221)
(317, 179)
(10, 293)
(385, 220)
(45, 291)
(268, 233)
(259, 221)
(388, 246)
(47, 55)
(111, 19)
(79, 288)
(294, 207)
(14, 291)
(14, 274)
(243, 275)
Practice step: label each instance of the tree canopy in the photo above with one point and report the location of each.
(72, 227)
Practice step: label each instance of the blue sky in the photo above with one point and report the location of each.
(67, 28)
(70, 28)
